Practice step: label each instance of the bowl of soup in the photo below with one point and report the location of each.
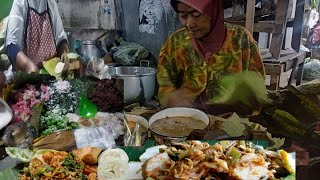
(176, 124)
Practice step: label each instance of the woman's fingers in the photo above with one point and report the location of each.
(31, 67)
(179, 98)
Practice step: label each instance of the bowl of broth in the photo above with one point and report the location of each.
(176, 124)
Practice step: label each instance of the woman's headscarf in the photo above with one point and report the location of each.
(213, 41)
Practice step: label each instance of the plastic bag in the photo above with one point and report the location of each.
(94, 137)
(129, 53)
(311, 70)
(106, 128)
(313, 18)
(97, 68)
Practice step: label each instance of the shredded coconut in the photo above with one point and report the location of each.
(62, 86)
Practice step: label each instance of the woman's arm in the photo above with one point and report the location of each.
(23, 63)
(19, 60)
(169, 79)
(15, 38)
(63, 47)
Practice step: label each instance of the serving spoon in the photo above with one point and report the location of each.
(87, 108)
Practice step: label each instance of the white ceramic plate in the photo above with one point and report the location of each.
(5, 114)
(134, 171)
(151, 152)
(138, 119)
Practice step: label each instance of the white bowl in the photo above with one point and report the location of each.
(138, 119)
(175, 112)
(5, 114)
(141, 120)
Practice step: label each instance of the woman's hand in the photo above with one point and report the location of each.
(179, 98)
(63, 47)
(25, 64)
(32, 67)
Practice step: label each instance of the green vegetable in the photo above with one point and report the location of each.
(234, 154)
(25, 155)
(53, 121)
(183, 154)
(26, 170)
(242, 143)
(40, 170)
(70, 162)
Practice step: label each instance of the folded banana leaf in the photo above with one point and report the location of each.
(301, 106)
(310, 88)
(61, 141)
(293, 127)
(282, 123)
(246, 88)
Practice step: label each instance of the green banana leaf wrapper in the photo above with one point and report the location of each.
(246, 90)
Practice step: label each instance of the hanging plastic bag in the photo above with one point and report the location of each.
(128, 53)
(311, 70)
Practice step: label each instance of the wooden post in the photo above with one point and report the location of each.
(298, 25)
(250, 15)
(281, 19)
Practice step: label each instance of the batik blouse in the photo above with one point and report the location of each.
(180, 66)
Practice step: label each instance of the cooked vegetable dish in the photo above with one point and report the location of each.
(237, 160)
(58, 165)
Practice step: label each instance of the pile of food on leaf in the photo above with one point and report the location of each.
(238, 160)
(85, 164)
(44, 108)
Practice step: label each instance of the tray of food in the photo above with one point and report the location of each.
(186, 160)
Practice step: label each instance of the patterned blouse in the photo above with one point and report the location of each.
(180, 66)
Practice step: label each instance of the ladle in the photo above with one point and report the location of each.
(87, 108)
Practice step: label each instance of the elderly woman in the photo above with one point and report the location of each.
(35, 33)
(194, 57)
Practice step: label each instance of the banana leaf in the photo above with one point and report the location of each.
(9, 174)
(133, 152)
(246, 88)
(302, 107)
(36, 115)
(22, 78)
(312, 87)
(284, 124)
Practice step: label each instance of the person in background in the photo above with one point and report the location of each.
(35, 34)
(194, 57)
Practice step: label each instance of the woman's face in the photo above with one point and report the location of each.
(197, 24)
